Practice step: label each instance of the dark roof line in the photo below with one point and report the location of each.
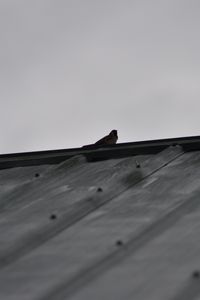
(94, 153)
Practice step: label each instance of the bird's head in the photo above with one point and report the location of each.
(114, 132)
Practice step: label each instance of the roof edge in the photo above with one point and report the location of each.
(95, 153)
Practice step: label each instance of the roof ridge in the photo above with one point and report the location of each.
(96, 153)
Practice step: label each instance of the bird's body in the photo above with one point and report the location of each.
(109, 139)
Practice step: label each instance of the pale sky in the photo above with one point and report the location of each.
(73, 70)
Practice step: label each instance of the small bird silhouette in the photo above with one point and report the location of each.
(109, 139)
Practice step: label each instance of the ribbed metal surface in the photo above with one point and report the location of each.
(123, 228)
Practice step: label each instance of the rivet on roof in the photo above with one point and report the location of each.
(53, 216)
(137, 164)
(119, 243)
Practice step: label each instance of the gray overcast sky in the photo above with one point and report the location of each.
(72, 70)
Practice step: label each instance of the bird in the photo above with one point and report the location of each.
(109, 139)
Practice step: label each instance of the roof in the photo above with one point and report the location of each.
(116, 222)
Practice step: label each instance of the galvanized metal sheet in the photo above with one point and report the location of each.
(143, 217)
(69, 192)
(64, 258)
(11, 179)
(166, 266)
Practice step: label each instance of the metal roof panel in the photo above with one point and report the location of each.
(104, 229)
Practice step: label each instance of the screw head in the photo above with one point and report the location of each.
(119, 243)
(53, 216)
(137, 164)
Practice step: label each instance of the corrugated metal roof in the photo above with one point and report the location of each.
(126, 227)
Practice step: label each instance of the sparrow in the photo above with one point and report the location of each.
(109, 139)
